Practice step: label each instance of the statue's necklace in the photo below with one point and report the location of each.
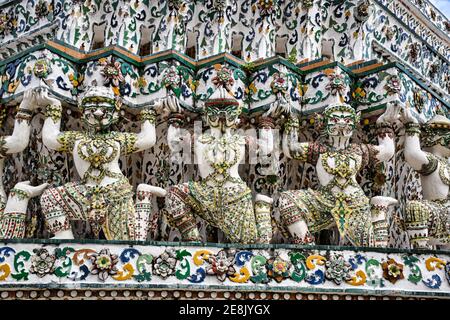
(221, 154)
(342, 166)
(98, 150)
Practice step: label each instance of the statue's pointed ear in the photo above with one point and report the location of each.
(358, 117)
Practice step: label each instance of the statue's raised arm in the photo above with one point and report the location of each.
(18, 141)
(51, 131)
(264, 141)
(292, 148)
(385, 134)
(146, 138)
(414, 155)
(13, 210)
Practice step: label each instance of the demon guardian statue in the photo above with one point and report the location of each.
(221, 197)
(104, 197)
(339, 201)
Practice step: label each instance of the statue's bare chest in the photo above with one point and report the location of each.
(95, 157)
(339, 168)
(220, 153)
(219, 157)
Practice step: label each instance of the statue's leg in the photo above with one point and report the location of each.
(12, 218)
(13, 213)
(294, 212)
(439, 224)
(379, 211)
(180, 212)
(263, 208)
(143, 209)
(417, 216)
(61, 204)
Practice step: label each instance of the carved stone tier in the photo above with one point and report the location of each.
(49, 269)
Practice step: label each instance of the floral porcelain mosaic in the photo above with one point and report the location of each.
(189, 267)
(255, 147)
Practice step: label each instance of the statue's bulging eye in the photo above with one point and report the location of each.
(231, 109)
(213, 110)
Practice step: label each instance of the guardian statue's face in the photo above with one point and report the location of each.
(340, 124)
(436, 133)
(100, 110)
(221, 115)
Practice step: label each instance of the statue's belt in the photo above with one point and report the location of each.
(115, 191)
(204, 193)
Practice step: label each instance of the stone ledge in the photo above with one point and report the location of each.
(178, 294)
(47, 269)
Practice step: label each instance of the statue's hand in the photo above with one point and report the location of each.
(278, 108)
(390, 115)
(32, 191)
(175, 136)
(168, 105)
(29, 100)
(44, 99)
(407, 116)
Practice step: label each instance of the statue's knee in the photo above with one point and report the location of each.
(47, 199)
(149, 190)
(176, 203)
(53, 197)
(177, 192)
(284, 201)
(291, 212)
(174, 198)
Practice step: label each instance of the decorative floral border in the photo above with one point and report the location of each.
(72, 264)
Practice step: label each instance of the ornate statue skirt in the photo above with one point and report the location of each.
(228, 208)
(350, 213)
(109, 208)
